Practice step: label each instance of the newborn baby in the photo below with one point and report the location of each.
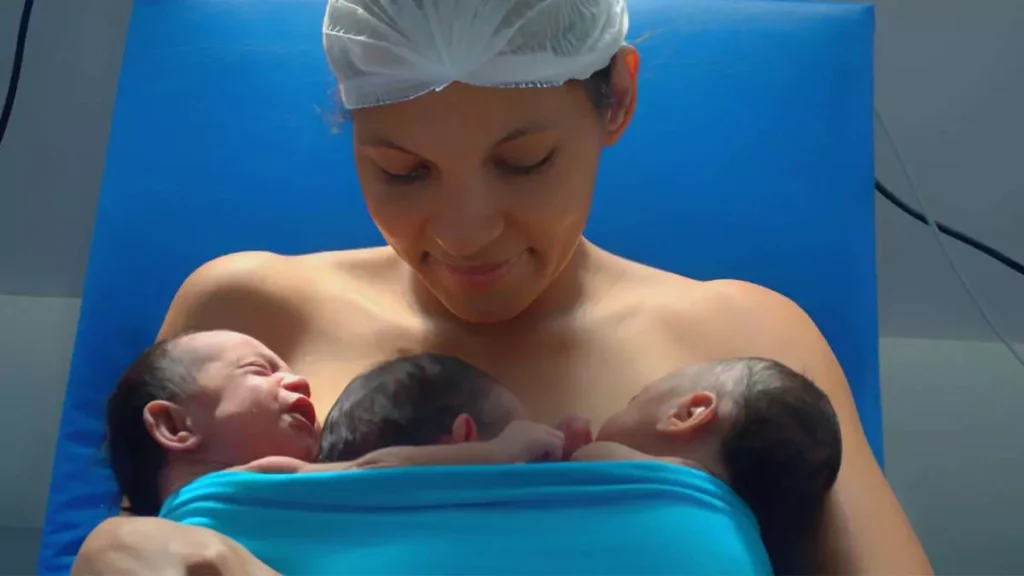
(209, 401)
(431, 409)
(763, 429)
(203, 402)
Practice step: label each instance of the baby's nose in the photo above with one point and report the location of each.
(296, 384)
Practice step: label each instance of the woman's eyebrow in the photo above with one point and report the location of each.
(382, 142)
(514, 134)
(522, 131)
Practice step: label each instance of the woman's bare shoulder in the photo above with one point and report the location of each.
(264, 294)
(680, 299)
(727, 318)
(734, 318)
(729, 307)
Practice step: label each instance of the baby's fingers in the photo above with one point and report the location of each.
(576, 430)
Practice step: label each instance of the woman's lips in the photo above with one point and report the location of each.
(478, 275)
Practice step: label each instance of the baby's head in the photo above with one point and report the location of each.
(418, 400)
(213, 399)
(766, 430)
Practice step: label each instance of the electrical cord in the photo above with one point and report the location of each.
(19, 55)
(925, 213)
(985, 249)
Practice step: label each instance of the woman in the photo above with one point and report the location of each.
(482, 192)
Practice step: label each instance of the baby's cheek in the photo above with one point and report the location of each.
(626, 427)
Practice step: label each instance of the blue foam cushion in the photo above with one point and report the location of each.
(750, 157)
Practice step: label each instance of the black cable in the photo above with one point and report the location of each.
(19, 55)
(951, 232)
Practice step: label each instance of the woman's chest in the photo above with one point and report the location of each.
(590, 372)
(592, 377)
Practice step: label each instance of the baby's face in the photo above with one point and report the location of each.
(667, 415)
(249, 405)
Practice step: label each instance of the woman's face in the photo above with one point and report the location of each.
(484, 192)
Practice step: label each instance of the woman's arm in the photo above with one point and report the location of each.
(864, 528)
(136, 545)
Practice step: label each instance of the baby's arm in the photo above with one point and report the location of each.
(605, 451)
(613, 451)
(441, 455)
(520, 442)
(274, 465)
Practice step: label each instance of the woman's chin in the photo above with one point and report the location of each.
(481, 311)
(499, 303)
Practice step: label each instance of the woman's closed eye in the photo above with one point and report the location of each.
(416, 174)
(422, 171)
(517, 169)
(396, 166)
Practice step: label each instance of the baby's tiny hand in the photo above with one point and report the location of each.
(576, 430)
(524, 441)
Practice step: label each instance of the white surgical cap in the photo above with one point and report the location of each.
(386, 51)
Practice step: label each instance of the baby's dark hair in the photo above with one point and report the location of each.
(412, 401)
(161, 372)
(782, 454)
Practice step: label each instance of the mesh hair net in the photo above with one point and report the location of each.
(386, 51)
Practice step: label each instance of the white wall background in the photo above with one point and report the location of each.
(950, 80)
(953, 450)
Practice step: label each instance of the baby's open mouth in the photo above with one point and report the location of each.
(303, 408)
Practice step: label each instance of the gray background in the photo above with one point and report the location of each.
(950, 83)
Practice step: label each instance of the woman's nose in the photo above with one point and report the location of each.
(296, 384)
(466, 223)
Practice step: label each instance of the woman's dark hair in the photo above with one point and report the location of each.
(599, 86)
(159, 373)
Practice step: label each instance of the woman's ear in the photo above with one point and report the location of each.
(623, 88)
(464, 429)
(692, 415)
(168, 424)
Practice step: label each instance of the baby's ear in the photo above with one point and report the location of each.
(464, 429)
(168, 424)
(691, 416)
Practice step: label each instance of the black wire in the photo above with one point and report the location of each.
(951, 232)
(19, 55)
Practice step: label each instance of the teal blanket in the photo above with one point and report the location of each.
(635, 518)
